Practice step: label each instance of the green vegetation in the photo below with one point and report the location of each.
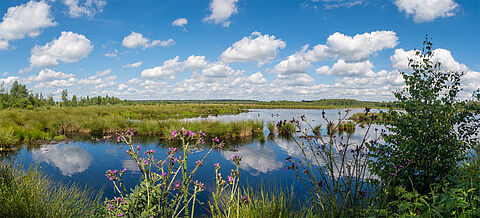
(47, 123)
(271, 127)
(347, 126)
(435, 132)
(7, 137)
(285, 128)
(28, 193)
(20, 97)
(221, 129)
(263, 202)
(367, 118)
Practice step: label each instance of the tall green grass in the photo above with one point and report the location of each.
(29, 193)
(8, 137)
(213, 128)
(285, 128)
(269, 202)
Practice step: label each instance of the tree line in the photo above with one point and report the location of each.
(20, 97)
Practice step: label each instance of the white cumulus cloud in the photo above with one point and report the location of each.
(255, 48)
(69, 47)
(342, 68)
(48, 75)
(166, 71)
(295, 63)
(25, 19)
(427, 10)
(195, 63)
(221, 10)
(361, 46)
(135, 40)
(218, 70)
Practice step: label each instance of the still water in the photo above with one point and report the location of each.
(263, 161)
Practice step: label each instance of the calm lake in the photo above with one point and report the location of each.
(263, 161)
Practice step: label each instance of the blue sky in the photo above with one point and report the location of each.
(232, 49)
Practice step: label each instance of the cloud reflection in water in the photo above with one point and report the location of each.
(260, 159)
(70, 159)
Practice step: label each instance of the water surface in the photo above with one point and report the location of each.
(263, 161)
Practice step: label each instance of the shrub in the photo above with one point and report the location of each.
(433, 133)
(459, 198)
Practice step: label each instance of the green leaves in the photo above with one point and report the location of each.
(433, 133)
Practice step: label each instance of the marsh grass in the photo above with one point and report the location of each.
(29, 193)
(8, 138)
(42, 124)
(271, 127)
(221, 129)
(285, 128)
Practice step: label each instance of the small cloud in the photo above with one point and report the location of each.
(135, 40)
(136, 64)
(180, 22)
(341, 5)
(103, 73)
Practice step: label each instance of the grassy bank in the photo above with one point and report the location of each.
(29, 193)
(21, 125)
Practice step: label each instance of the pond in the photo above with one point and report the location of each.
(84, 161)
